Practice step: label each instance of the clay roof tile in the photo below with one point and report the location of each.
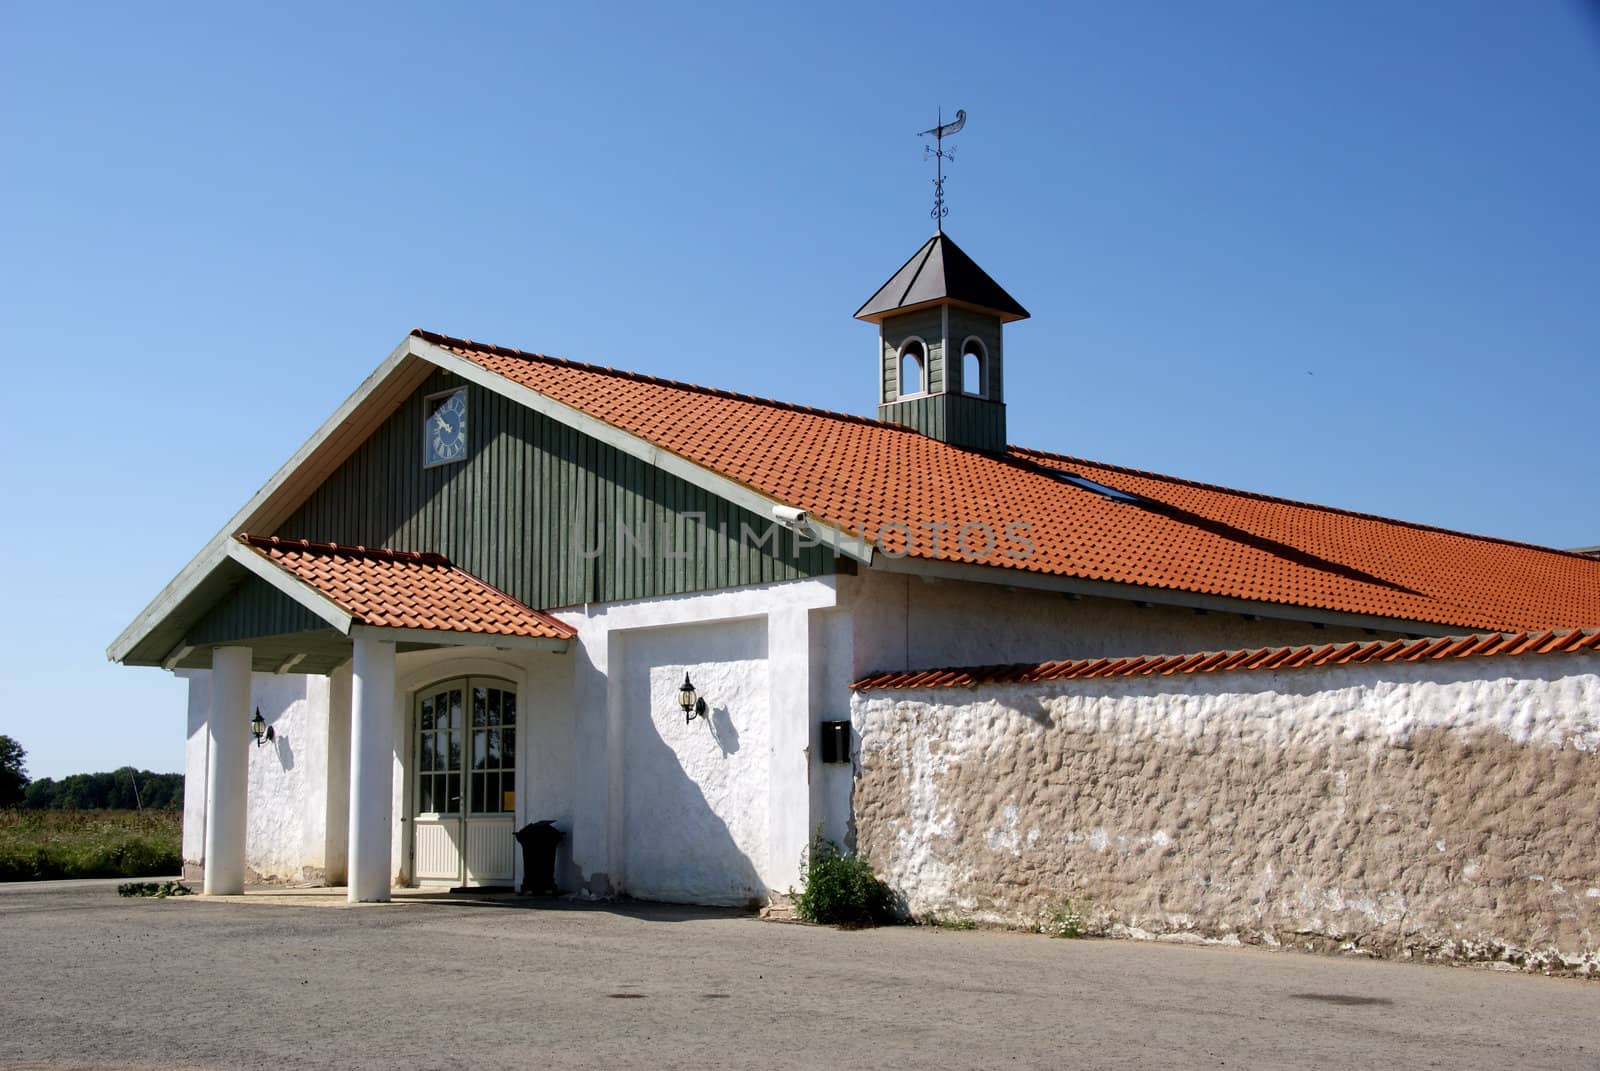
(405, 589)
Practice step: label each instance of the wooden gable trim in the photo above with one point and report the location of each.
(365, 410)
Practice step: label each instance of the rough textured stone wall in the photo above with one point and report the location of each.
(1441, 811)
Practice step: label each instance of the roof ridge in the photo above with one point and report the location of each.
(419, 557)
(660, 381)
(1011, 449)
(1302, 503)
(927, 254)
(1311, 655)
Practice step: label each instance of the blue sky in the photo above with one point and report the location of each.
(1343, 252)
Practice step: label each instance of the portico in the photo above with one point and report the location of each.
(373, 608)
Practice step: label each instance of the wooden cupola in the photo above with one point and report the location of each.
(940, 321)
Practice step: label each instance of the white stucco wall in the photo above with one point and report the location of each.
(717, 813)
(287, 788)
(546, 773)
(286, 801)
(745, 780)
(1444, 810)
(832, 662)
(906, 622)
(695, 794)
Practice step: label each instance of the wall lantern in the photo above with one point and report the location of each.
(693, 706)
(260, 729)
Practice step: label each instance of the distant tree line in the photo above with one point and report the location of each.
(120, 790)
(107, 791)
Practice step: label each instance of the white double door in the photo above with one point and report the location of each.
(463, 790)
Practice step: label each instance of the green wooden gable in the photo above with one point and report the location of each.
(548, 515)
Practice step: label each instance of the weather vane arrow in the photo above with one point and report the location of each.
(940, 155)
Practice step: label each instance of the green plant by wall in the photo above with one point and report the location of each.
(158, 889)
(947, 922)
(840, 889)
(1068, 920)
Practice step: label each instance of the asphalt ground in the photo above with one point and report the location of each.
(91, 980)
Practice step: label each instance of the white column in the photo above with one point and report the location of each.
(227, 769)
(788, 766)
(372, 685)
(336, 842)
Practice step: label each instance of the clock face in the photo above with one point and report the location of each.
(444, 428)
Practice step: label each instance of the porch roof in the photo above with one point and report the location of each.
(297, 604)
(401, 590)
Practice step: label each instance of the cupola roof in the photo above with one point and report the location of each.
(940, 272)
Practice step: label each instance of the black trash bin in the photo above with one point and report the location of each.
(539, 840)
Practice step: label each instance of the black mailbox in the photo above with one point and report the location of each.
(835, 741)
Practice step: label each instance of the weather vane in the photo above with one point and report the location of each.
(940, 155)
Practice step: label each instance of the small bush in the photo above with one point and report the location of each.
(159, 889)
(841, 889)
(1067, 921)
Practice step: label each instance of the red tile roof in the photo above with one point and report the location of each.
(1425, 650)
(877, 480)
(405, 589)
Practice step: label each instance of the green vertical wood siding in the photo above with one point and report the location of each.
(531, 497)
(944, 412)
(926, 324)
(254, 608)
(987, 329)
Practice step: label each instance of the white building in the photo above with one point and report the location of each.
(564, 543)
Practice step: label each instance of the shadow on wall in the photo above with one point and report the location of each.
(723, 730)
(285, 751)
(696, 793)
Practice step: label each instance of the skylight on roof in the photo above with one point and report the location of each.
(1099, 488)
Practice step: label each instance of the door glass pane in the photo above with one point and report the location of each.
(465, 751)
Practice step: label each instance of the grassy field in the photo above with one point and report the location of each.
(38, 845)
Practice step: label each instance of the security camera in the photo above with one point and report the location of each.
(789, 515)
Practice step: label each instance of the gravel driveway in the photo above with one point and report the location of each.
(91, 980)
